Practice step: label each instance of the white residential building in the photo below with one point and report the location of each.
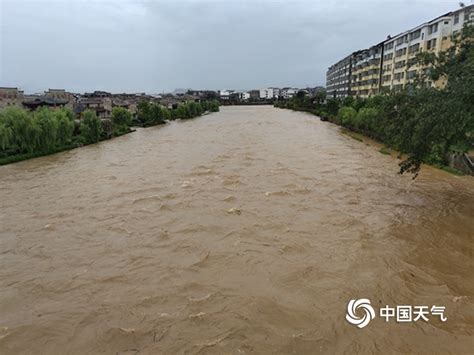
(276, 92)
(225, 94)
(288, 93)
(244, 96)
(266, 94)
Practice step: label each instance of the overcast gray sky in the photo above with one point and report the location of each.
(155, 46)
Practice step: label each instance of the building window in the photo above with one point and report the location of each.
(414, 48)
(400, 52)
(431, 44)
(388, 56)
(399, 76)
(456, 18)
(411, 62)
(415, 35)
(399, 64)
(411, 74)
(389, 46)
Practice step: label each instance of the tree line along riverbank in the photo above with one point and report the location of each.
(28, 134)
(425, 124)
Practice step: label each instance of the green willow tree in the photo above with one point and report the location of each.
(443, 120)
(65, 120)
(24, 130)
(48, 126)
(91, 127)
(121, 119)
(6, 136)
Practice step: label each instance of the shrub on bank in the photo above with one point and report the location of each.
(121, 119)
(347, 116)
(150, 114)
(91, 127)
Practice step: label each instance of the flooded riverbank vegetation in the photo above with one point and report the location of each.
(28, 134)
(152, 114)
(425, 123)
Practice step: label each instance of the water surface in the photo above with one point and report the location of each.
(244, 231)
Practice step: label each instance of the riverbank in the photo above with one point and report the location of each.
(383, 149)
(26, 135)
(21, 157)
(362, 122)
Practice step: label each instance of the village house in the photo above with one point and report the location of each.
(102, 106)
(10, 96)
(169, 101)
(32, 102)
(62, 95)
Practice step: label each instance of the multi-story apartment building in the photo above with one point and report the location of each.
(338, 78)
(366, 71)
(391, 64)
(400, 67)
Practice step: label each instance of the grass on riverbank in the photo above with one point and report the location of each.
(354, 135)
(19, 157)
(387, 150)
(5, 160)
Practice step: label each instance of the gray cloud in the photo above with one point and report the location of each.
(152, 46)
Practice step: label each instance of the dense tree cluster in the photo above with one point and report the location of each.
(150, 114)
(42, 131)
(25, 134)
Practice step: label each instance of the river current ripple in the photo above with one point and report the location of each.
(244, 231)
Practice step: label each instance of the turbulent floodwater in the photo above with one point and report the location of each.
(244, 231)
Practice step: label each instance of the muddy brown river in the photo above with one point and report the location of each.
(242, 232)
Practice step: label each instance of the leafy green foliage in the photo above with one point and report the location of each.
(366, 119)
(150, 114)
(91, 127)
(121, 119)
(48, 126)
(24, 130)
(6, 136)
(347, 116)
(65, 129)
(41, 131)
(25, 134)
